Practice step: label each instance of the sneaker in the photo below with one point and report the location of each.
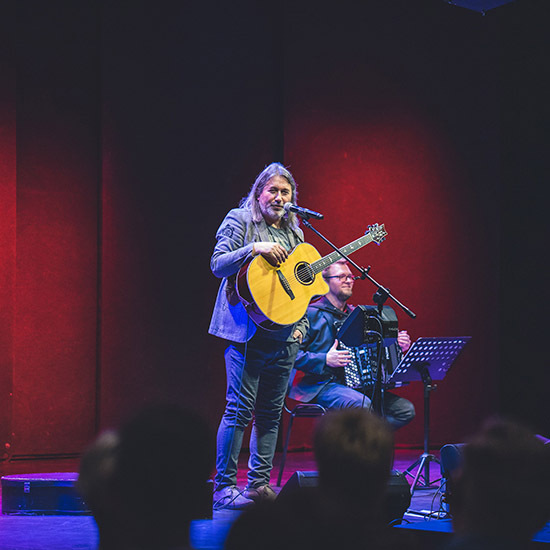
(230, 498)
(263, 493)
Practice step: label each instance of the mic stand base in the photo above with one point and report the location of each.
(426, 457)
(423, 464)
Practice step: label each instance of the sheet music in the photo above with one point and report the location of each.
(437, 354)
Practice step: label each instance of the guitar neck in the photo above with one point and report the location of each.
(323, 263)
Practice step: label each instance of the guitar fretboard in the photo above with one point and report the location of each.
(323, 263)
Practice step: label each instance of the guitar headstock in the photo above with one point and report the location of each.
(377, 233)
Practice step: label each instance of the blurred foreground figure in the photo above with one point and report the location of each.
(354, 453)
(143, 482)
(501, 494)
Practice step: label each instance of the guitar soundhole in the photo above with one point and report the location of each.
(304, 274)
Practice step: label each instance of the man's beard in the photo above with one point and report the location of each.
(344, 295)
(275, 212)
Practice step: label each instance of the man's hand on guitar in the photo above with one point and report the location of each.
(274, 253)
(337, 357)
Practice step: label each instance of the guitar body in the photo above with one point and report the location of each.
(277, 297)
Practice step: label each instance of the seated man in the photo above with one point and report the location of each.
(322, 361)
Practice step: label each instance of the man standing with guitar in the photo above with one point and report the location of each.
(323, 362)
(258, 361)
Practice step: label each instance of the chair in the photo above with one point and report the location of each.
(301, 410)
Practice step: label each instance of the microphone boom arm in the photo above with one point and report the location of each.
(382, 294)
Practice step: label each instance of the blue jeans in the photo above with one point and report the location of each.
(257, 381)
(398, 411)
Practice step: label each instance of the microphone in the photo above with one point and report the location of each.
(302, 212)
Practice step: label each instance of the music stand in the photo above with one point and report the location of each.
(428, 359)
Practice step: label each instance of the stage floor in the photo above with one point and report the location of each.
(79, 532)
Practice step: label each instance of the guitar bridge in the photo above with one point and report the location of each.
(285, 284)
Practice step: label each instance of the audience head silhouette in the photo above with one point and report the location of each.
(353, 450)
(144, 482)
(502, 489)
(354, 454)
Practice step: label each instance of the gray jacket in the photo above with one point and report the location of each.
(235, 239)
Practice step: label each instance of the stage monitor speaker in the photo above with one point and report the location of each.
(451, 460)
(451, 456)
(397, 499)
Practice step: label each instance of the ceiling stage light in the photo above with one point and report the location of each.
(481, 6)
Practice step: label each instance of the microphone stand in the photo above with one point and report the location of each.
(380, 296)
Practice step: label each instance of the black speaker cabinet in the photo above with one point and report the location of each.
(55, 494)
(397, 499)
(42, 494)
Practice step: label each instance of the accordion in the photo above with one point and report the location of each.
(361, 334)
(361, 371)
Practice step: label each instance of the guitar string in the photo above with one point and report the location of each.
(293, 278)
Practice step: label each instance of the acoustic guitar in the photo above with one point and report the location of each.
(275, 297)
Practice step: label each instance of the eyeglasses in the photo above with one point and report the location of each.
(342, 278)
